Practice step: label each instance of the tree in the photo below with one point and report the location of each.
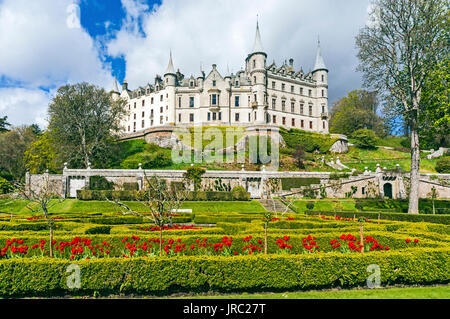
(397, 50)
(161, 200)
(4, 124)
(433, 195)
(435, 115)
(364, 138)
(194, 174)
(85, 121)
(42, 154)
(13, 145)
(358, 110)
(40, 200)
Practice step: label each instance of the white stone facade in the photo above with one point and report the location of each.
(262, 93)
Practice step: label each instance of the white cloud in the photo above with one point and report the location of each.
(24, 106)
(222, 32)
(43, 45)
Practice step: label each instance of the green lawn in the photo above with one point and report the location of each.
(438, 292)
(77, 206)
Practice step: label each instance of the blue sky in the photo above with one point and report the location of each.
(48, 43)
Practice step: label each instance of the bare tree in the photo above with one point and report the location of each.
(40, 200)
(161, 199)
(397, 49)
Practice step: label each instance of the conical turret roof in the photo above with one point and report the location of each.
(257, 46)
(320, 64)
(170, 68)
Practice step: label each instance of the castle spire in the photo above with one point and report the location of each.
(320, 64)
(257, 47)
(170, 69)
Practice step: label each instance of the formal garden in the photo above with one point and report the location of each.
(238, 248)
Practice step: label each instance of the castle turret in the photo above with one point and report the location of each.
(320, 75)
(256, 70)
(115, 94)
(169, 83)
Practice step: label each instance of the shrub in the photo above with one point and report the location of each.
(309, 140)
(98, 230)
(5, 186)
(239, 193)
(297, 182)
(309, 192)
(156, 160)
(103, 194)
(100, 183)
(310, 205)
(130, 186)
(443, 165)
(46, 276)
(365, 138)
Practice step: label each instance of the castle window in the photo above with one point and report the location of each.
(236, 117)
(161, 98)
(301, 91)
(274, 103)
(161, 109)
(220, 116)
(254, 80)
(256, 100)
(143, 102)
(143, 114)
(323, 108)
(161, 119)
(273, 84)
(323, 124)
(214, 116)
(179, 101)
(134, 104)
(236, 101)
(310, 92)
(292, 89)
(191, 83)
(284, 121)
(151, 100)
(237, 83)
(323, 93)
(134, 127)
(323, 78)
(249, 117)
(143, 122)
(209, 116)
(302, 124)
(283, 105)
(310, 125)
(151, 113)
(214, 82)
(274, 119)
(191, 101)
(283, 86)
(179, 118)
(214, 99)
(293, 122)
(134, 116)
(254, 63)
(128, 128)
(310, 110)
(301, 109)
(292, 107)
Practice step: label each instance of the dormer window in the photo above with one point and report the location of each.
(191, 84)
(237, 83)
(254, 63)
(213, 99)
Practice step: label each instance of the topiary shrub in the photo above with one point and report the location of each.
(100, 183)
(98, 230)
(365, 138)
(5, 186)
(239, 193)
(443, 165)
(310, 205)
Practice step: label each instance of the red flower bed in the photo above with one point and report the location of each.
(174, 227)
(310, 245)
(349, 243)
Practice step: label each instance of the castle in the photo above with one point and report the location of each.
(262, 94)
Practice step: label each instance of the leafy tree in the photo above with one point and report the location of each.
(4, 124)
(42, 154)
(397, 50)
(435, 115)
(194, 174)
(5, 186)
(85, 121)
(13, 145)
(358, 110)
(364, 138)
(443, 165)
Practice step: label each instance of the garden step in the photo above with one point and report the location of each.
(273, 205)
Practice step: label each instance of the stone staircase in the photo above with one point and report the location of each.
(273, 205)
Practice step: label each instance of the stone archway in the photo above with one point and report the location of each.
(387, 190)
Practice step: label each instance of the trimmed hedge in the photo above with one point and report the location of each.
(218, 196)
(192, 196)
(309, 140)
(98, 230)
(163, 276)
(438, 219)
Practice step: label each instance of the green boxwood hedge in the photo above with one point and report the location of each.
(288, 183)
(163, 276)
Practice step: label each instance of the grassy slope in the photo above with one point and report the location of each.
(438, 292)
